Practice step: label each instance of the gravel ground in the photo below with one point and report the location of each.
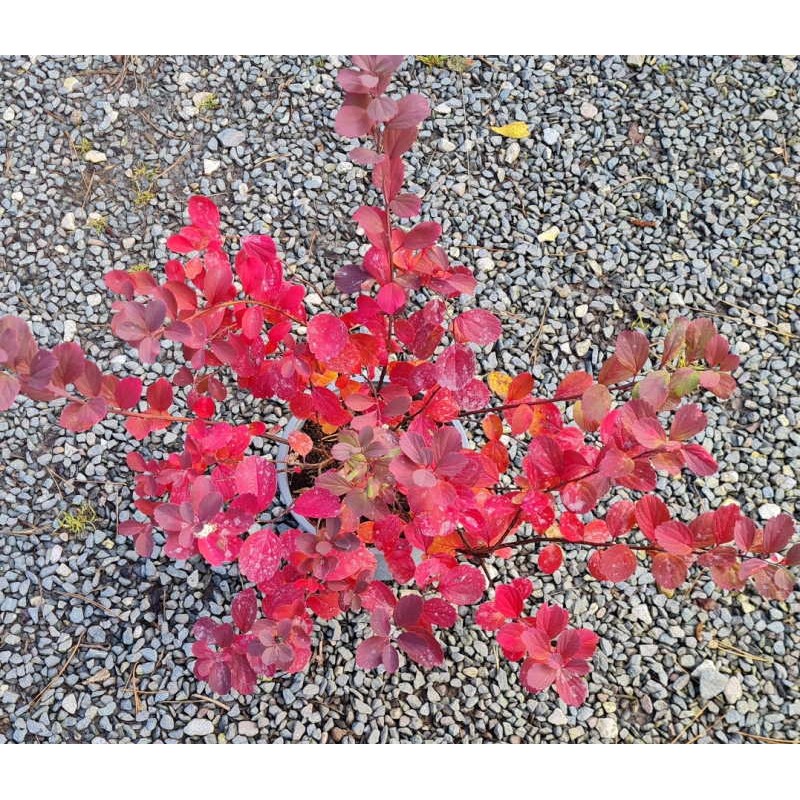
(98, 158)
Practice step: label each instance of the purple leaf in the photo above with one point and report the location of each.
(349, 279)
(421, 648)
(369, 654)
(243, 610)
(408, 611)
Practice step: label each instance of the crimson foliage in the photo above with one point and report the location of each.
(384, 381)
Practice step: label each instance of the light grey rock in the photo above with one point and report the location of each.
(550, 136)
(199, 727)
(733, 689)
(231, 137)
(607, 728)
(712, 681)
(557, 717)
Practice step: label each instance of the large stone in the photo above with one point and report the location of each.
(712, 681)
(230, 137)
(199, 727)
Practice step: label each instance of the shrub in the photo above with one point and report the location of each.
(388, 478)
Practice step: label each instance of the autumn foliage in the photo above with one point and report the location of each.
(394, 484)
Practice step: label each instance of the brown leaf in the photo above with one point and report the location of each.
(635, 133)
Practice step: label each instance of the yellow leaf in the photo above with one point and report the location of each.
(324, 378)
(499, 383)
(514, 130)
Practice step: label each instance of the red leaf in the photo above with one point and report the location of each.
(159, 395)
(80, 417)
(9, 389)
(612, 371)
(674, 340)
(699, 460)
(509, 637)
(669, 570)
(411, 110)
(364, 156)
(455, 367)
(405, 205)
(579, 496)
(243, 610)
(551, 557)
(257, 476)
(203, 213)
(649, 433)
(356, 82)
(674, 537)
(71, 363)
(617, 563)
(572, 689)
(654, 390)
(719, 383)
(631, 350)
(373, 221)
(744, 532)
(439, 612)
(327, 336)
(508, 601)
(369, 654)
(352, 122)
(473, 396)
(689, 420)
(381, 109)
(426, 234)
(328, 406)
(650, 511)
(620, 517)
(520, 387)
(573, 385)
(391, 298)
(463, 585)
(595, 403)
(260, 556)
(478, 326)
(792, 558)
(252, 322)
(317, 503)
(300, 442)
(219, 677)
(128, 392)
(777, 533)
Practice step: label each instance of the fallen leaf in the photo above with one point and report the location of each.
(499, 383)
(514, 130)
(635, 133)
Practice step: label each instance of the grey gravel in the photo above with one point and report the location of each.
(706, 148)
